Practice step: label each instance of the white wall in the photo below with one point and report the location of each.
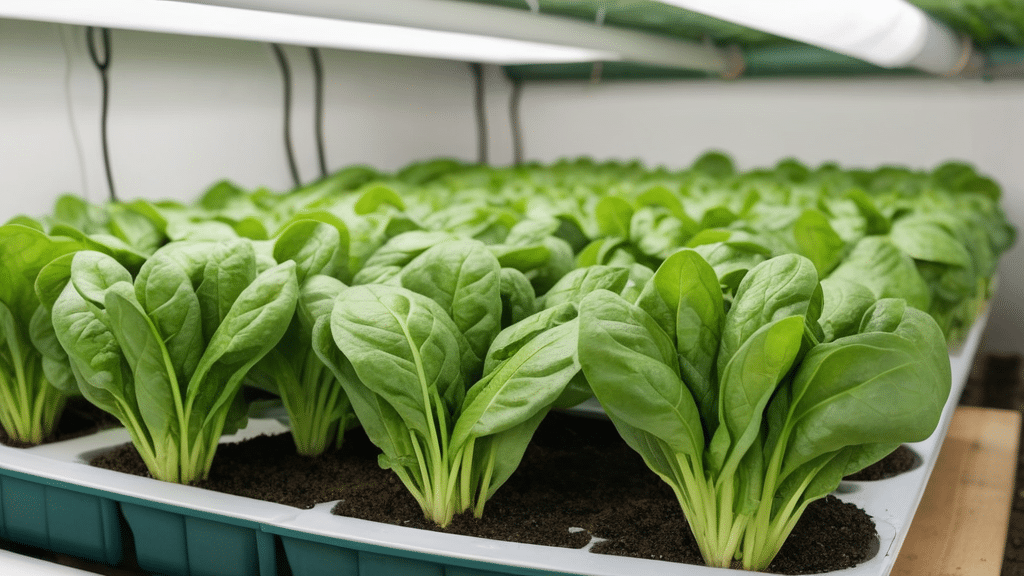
(185, 112)
(856, 122)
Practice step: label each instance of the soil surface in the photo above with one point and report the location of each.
(903, 459)
(578, 481)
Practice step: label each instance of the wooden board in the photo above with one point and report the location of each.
(960, 526)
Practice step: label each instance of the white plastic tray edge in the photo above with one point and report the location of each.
(891, 503)
(67, 462)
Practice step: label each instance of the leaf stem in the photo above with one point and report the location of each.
(466, 474)
(478, 512)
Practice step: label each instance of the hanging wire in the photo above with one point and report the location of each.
(318, 107)
(102, 63)
(286, 76)
(515, 120)
(67, 40)
(481, 113)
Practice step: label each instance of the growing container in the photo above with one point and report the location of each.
(52, 499)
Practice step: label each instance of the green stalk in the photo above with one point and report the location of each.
(309, 407)
(708, 507)
(47, 407)
(340, 430)
(703, 521)
(767, 533)
(467, 473)
(453, 481)
(332, 388)
(478, 512)
(36, 400)
(436, 458)
(8, 405)
(425, 477)
(21, 414)
(725, 494)
(410, 484)
(203, 452)
(323, 410)
(777, 529)
(736, 536)
(731, 526)
(439, 463)
(18, 362)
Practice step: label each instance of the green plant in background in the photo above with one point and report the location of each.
(746, 412)
(166, 352)
(129, 232)
(318, 410)
(34, 380)
(940, 231)
(497, 250)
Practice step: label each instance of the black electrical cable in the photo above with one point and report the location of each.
(318, 107)
(515, 121)
(103, 66)
(286, 76)
(481, 113)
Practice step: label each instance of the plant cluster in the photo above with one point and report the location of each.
(748, 410)
(754, 336)
(987, 22)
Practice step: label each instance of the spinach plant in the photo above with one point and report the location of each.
(166, 352)
(318, 409)
(405, 364)
(34, 385)
(743, 411)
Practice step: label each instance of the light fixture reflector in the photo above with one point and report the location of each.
(887, 33)
(188, 18)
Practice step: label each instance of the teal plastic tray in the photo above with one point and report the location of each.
(310, 554)
(49, 497)
(174, 541)
(60, 517)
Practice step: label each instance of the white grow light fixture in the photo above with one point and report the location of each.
(195, 19)
(429, 28)
(887, 33)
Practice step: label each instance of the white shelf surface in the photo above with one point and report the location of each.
(27, 566)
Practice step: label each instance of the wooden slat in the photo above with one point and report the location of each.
(960, 526)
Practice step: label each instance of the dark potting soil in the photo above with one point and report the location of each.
(578, 479)
(901, 460)
(78, 419)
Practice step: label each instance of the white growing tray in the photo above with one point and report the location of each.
(384, 548)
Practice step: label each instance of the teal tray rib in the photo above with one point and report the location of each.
(310, 558)
(61, 517)
(312, 554)
(52, 499)
(175, 541)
